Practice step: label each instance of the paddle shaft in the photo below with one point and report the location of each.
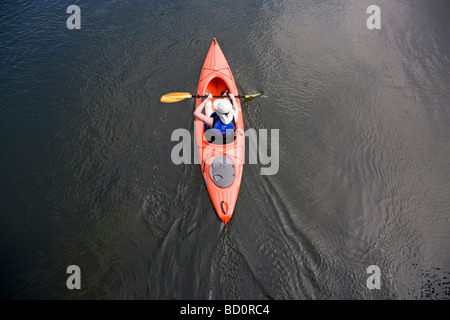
(178, 96)
(198, 96)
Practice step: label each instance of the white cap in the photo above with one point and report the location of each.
(224, 110)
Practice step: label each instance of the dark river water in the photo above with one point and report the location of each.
(363, 177)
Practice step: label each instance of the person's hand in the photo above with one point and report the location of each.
(209, 97)
(231, 96)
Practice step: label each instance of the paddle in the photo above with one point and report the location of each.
(178, 96)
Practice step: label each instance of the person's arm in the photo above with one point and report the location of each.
(235, 107)
(198, 113)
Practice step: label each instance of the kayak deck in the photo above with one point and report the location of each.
(221, 164)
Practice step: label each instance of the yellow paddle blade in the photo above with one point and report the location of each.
(175, 97)
(249, 96)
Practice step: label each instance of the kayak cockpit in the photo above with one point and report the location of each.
(216, 87)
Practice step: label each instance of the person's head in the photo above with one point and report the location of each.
(223, 109)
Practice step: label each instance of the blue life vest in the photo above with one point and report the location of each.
(225, 130)
(218, 125)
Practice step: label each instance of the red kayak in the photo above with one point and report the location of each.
(221, 164)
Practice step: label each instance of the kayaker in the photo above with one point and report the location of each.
(223, 121)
